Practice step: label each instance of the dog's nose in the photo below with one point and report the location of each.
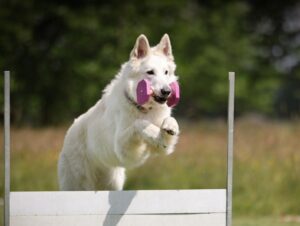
(165, 91)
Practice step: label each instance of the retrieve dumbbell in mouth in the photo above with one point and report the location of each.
(143, 93)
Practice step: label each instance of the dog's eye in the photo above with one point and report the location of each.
(166, 72)
(150, 72)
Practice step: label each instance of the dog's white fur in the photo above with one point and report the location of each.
(114, 134)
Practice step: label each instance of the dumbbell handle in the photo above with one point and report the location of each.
(144, 92)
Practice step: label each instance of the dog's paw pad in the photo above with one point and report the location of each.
(169, 131)
(170, 126)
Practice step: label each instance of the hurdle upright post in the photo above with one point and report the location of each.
(230, 138)
(6, 148)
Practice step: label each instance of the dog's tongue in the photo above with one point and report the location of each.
(143, 92)
(174, 98)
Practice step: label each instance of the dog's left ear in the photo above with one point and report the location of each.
(165, 46)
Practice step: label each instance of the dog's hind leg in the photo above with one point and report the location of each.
(67, 181)
(116, 178)
(74, 175)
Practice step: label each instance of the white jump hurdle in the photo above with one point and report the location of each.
(207, 207)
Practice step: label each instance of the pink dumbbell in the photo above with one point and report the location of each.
(143, 92)
(175, 94)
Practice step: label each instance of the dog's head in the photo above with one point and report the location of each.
(156, 65)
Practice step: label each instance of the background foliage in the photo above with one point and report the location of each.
(62, 53)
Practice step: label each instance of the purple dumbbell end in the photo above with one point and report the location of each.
(175, 95)
(143, 92)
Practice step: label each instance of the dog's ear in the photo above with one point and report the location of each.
(141, 47)
(165, 46)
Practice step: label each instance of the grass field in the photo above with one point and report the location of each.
(266, 176)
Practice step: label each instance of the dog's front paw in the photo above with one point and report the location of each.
(169, 135)
(170, 126)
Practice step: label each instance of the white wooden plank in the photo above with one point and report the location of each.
(114, 202)
(215, 219)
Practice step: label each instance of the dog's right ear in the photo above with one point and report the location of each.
(141, 47)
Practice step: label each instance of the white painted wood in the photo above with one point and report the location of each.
(230, 140)
(6, 147)
(215, 219)
(118, 202)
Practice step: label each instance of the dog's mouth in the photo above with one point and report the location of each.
(159, 99)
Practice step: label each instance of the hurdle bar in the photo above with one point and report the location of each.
(6, 148)
(230, 139)
(207, 207)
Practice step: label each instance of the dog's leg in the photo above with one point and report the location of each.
(160, 140)
(130, 148)
(116, 179)
(129, 143)
(168, 137)
(163, 139)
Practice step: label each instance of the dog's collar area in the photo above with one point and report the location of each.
(136, 105)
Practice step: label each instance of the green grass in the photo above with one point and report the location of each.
(266, 166)
(262, 221)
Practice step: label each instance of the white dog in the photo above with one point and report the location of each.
(117, 133)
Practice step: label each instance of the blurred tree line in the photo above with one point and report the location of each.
(62, 53)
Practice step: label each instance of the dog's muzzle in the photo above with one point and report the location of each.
(164, 95)
(160, 99)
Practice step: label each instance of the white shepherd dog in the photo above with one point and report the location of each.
(118, 133)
